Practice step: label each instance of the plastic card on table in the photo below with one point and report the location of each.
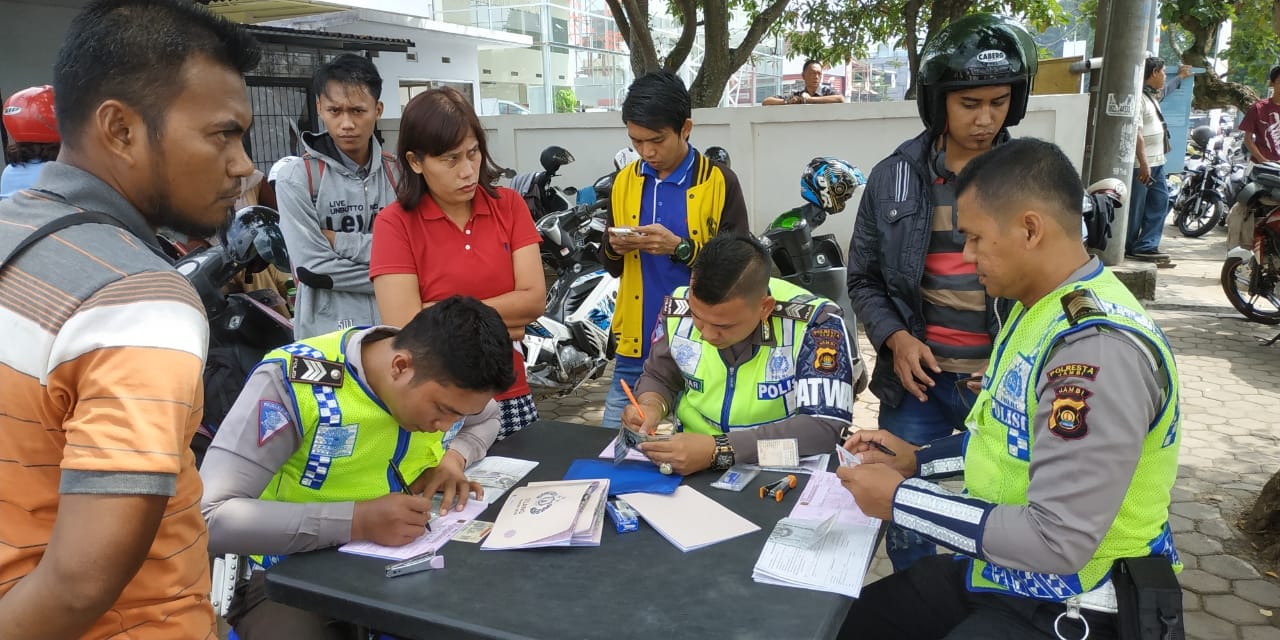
(736, 478)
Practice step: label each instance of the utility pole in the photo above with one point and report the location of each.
(1118, 105)
(1095, 82)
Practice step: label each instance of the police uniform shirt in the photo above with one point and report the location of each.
(1112, 384)
(252, 445)
(817, 429)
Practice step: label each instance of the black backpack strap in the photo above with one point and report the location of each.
(58, 224)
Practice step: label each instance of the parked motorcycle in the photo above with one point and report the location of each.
(572, 342)
(243, 327)
(1210, 183)
(536, 188)
(817, 263)
(1251, 277)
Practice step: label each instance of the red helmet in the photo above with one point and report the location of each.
(28, 116)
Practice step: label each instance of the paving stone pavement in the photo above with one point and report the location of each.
(1231, 442)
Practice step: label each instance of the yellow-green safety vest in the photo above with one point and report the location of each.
(1001, 440)
(348, 437)
(765, 388)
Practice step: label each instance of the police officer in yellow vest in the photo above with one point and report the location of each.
(750, 358)
(302, 460)
(1072, 444)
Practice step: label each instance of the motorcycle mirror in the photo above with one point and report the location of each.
(508, 173)
(570, 191)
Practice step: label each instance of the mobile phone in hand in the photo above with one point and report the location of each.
(625, 232)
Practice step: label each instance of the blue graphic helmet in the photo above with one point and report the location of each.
(828, 183)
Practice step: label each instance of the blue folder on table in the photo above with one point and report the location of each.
(628, 476)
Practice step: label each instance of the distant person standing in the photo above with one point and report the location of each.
(1261, 127)
(329, 197)
(814, 91)
(33, 135)
(1149, 203)
(1261, 124)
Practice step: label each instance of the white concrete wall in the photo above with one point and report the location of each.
(769, 146)
(30, 44)
(431, 48)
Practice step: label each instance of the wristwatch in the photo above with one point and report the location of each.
(724, 454)
(682, 252)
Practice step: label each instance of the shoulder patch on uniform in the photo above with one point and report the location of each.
(272, 419)
(1080, 305)
(1068, 413)
(678, 307)
(1073, 370)
(794, 310)
(316, 371)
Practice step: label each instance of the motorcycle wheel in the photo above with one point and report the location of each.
(1199, 217)
(1235, 283)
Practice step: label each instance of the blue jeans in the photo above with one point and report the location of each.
(624, 368)
(918, 423)
(1148, 207)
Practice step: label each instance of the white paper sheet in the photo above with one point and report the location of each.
(688, 519)
(442, 531)
(838, 563)
(632, 454)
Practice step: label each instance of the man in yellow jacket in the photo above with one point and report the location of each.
(665, 207)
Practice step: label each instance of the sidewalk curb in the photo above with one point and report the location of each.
(1187, 306)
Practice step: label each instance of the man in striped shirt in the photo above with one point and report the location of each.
(100, 370)
(924, 309)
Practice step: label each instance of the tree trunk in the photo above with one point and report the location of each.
(911, 22)
(1212, 91)
(1263, 521)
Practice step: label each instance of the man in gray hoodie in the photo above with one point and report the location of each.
(329, 197)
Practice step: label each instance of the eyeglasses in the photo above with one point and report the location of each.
(962, 389)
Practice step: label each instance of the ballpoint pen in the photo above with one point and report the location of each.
(626, 388)
(404, 486)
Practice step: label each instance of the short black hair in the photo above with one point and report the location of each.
(459, 341)
(1153, 64)
(731, 265)
(28, 152)
(134, 51)
(812, 61)
(657, 100)
(1275, 73)
(348, 69)
(1022, 170)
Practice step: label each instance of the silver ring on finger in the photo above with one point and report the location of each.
(665, 468)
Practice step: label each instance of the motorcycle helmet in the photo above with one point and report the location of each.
(253, 240)
(718, 155)
(624, 157)
(554, 157)
(1200, 136)
(28, 116)
(828, 183)
(977, 50)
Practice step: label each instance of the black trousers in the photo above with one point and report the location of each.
(929, 601)
(254, 617)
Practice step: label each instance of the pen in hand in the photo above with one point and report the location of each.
(626, 388)
(882, 449)
(404, 486)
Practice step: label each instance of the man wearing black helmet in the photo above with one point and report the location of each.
(924, 310)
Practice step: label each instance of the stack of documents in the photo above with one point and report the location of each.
(551, 514)
(688, 519)
(826, 544)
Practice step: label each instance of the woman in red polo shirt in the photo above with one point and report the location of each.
(452, 232)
